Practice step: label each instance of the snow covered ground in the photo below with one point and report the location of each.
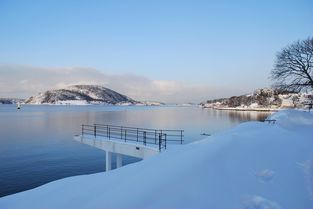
(252, 166)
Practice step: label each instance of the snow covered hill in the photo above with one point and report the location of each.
(10, 100)
(252, 166)
(81, 94)
(262, 99)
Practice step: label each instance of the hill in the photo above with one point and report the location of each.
(81, 94)
(262, 99)
(10, 100)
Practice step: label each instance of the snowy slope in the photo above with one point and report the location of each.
(252, 166)
(10, 101)
(80, 94)
(265, 98)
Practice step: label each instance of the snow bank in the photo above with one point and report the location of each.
(297, 120)
(252, 166)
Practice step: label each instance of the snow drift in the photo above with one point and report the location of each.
(252, 166)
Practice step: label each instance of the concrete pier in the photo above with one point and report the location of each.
(108, 160)
(130, 141)
(119, 148)
(119, 160)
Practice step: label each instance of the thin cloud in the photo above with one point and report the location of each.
(24, 81)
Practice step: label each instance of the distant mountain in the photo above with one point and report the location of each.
(10, 100)
(81, 94)
(265, 98)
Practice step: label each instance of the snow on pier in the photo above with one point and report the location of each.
(136, 142)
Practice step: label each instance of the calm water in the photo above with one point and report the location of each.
(36, 143)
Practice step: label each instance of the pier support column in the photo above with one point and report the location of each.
(108, 160)
(119, 160)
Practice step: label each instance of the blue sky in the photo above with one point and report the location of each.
(226, 44)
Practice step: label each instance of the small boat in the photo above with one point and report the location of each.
(18, 106)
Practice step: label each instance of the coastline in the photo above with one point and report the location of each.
(257, 180)
(245, 109)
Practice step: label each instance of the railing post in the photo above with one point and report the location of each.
(144, 138)
(125, 134)
(95, 130)
(107, 130)
(109, 133)
(121, 132)
(137, 134)
(160, 138)
(155, 136)
(165, 141)
(181, 136)
(82, 129)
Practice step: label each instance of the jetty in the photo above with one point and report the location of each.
(131, 141)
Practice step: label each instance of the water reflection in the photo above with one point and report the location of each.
(36, 143)
(240, 116)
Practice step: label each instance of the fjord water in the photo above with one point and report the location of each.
(36, 143)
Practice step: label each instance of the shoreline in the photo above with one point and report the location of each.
(239, 150)
(244, 109)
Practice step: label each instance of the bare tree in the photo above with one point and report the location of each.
(293, 70)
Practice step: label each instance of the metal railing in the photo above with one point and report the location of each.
(269, 121)
(142, 135)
